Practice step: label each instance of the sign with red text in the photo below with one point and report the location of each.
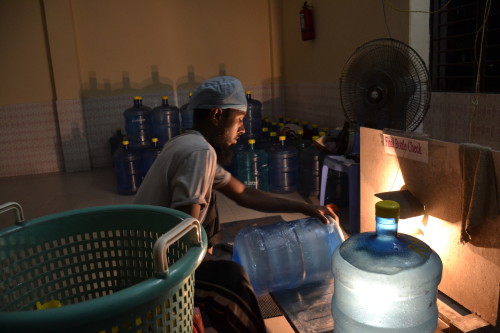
(412, 149)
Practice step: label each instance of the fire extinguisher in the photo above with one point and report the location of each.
(306, 22)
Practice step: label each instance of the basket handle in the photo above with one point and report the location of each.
(15, 206)
(167, 239)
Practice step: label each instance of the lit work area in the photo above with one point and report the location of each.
(253, 166)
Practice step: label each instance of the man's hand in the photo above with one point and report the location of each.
(320, 212)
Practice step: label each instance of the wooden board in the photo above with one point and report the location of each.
(471, 272)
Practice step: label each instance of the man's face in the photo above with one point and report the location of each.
(227, 134)
(233, 126)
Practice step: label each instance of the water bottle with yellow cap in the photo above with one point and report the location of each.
(165, 121)
(253, 167)
(138, 124)
(283, 167)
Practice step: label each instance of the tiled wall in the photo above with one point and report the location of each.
(73, 135)
(29, 140)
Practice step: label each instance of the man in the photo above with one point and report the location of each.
(184, 176)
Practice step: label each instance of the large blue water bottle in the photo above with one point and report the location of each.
(115, 141)
(385, 281)
(138, 124)
(149, 155)
(186, 115)
(286, 255)
(253, 119)
(283, 167)
(165, 121)
(232, 166)
(128, 169)
(253, 167)
(264, 142)
(310, 165)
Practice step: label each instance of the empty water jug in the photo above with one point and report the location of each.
(310, 165)
(286, 255)
(186, 116)
(253, 118)
(165, 121)
(128, 170)
(283, 167)
(138, 124)
(385, 281)
(253, 167)
(149, 155)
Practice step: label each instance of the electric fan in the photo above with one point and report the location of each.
(385, 84)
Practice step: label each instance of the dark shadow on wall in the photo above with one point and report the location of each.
(189, 82)
(156, 84)
(127, 86)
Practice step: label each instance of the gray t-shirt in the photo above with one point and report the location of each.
(184, 173)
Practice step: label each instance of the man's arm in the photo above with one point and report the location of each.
(192, 209)
(267, 202)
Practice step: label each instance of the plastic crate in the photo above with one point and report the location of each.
(123, 268)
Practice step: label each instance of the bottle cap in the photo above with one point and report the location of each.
(137, 98)
(154, 140)
(248, 92)
(164, 97)
(305, 122)
(314, 126)
(315, 137)
(125, 142)
(273, 134)
(282, 138)
(251, 141)
(387, 208)
(265, 129)
(190, 94)
(300, 132)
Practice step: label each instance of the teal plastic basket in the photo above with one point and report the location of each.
(114, 269)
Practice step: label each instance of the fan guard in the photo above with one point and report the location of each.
(385, 84)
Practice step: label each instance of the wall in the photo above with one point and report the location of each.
(471, 271)
(312, 69)
(73, 67)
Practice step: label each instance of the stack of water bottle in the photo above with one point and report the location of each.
(147, 130)
(272, 159)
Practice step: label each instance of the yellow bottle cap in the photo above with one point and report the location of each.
(154, 140)
(164, 97)
(125, 142)
(251, 141)
(314, 126)
(265, 129)
(273, 134)
(190, 94)
(282, 138)
(387, 208)
(248, 92)
(315, 137)
(137, 98)
(300, 132)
